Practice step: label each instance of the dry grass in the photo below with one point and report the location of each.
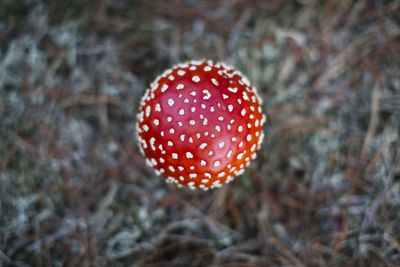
(323, 191)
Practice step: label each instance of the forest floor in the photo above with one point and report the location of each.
(324, 189)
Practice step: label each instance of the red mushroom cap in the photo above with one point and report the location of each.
(200, 124)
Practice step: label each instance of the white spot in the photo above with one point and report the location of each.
(164, 88)
(224, 96)
(221, 174)
(144, 143)
(192, 175)
(251, 116)
(203, 162)
(214, 81)
(208, 94)
(181, 72)
(148, 109)
(192, 109)
(212, 109)
(172, 130)
(186, 100)
(154, 162)
(263, 119)
(171, 102)
(180, 123)
(179, 86)
(241, 144)
(169, 143)
(162, 160)
(210, 153)
(204, 181)
(203, 106)
(192, 68)
(220, 118)
(171, 77)
(198, 135)
(162, 133)
(174, 156)
(253, 148)
(145, 127)
(158, 107)
(203, 145)
(239, 101)
(233, 90)
(221, 144)
(256, 123)
(196, 79)
(182, 137)
(245, 96)
(243, 112)
(189, 155)
(181, 168)
(171, 168)
(190, 140)
(205, 121)
(230, 108)
(217, 128)
(207, 68)
(169, 118)
(207, 175)
(193, 93)
(152, 140)
(217, 163)
(249, 125)
(246, 81)
(141, 116)
(229, 154)
(156, 122)
(248, 138)
(240, 128)
(181, 111)
(167, 72)
(192, 122)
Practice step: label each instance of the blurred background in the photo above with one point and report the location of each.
(323, 191)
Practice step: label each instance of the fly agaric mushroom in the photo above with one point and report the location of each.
(200, 124)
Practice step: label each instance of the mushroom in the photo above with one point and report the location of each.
(200, 124)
